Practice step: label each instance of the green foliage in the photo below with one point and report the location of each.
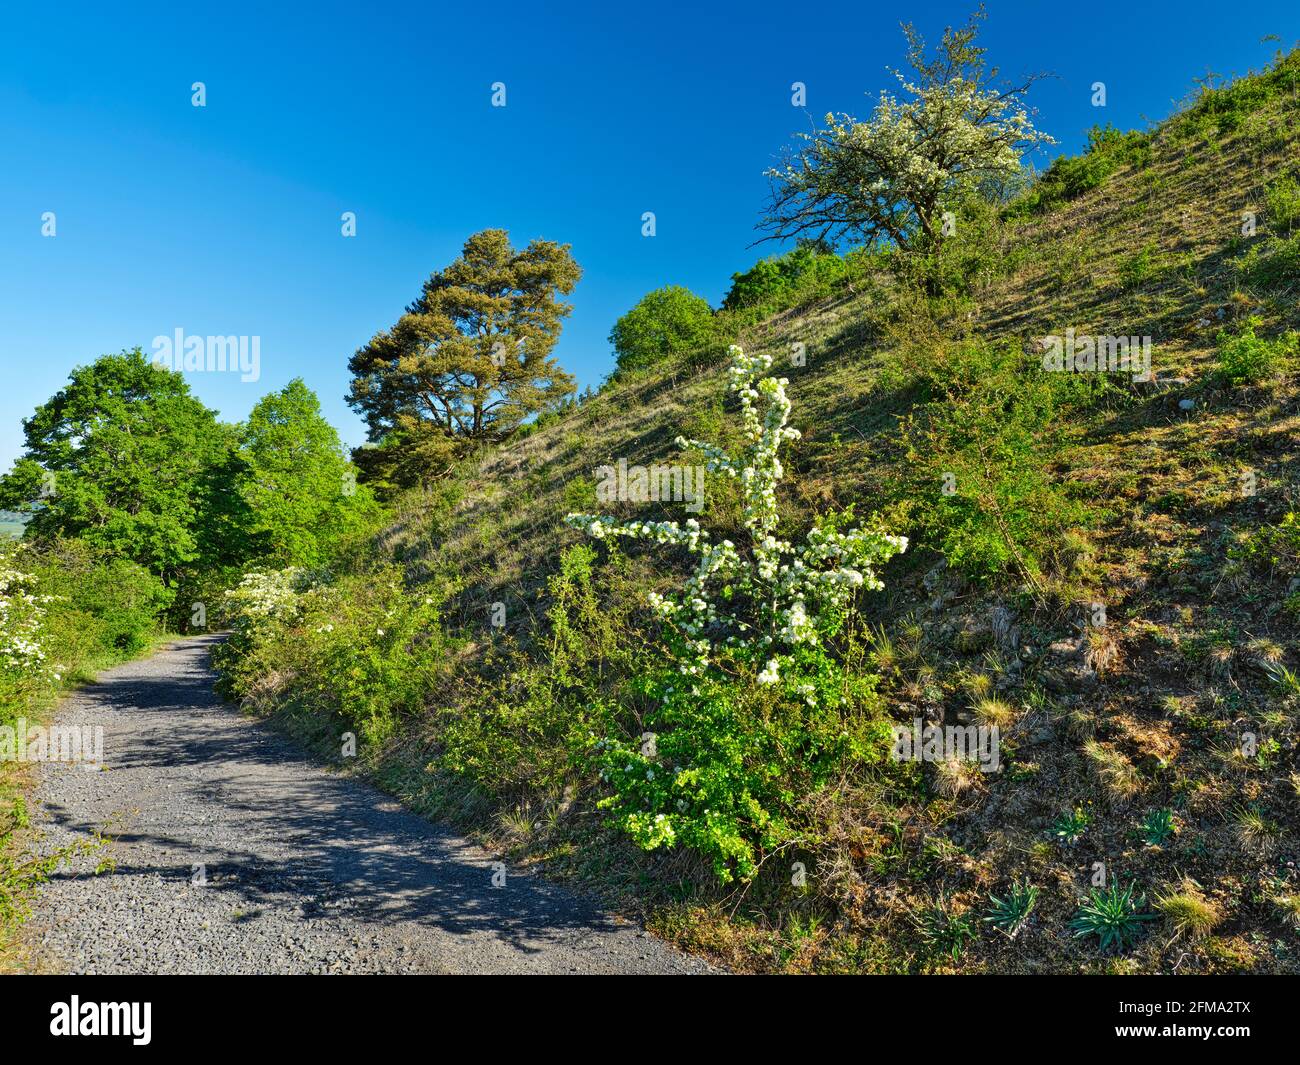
(751, 712)
(23, 870)
(1114, 915)
(358, 652)
(1245, 358)
(1070, 827)
(668, 322)
(982, 443)
(1010, 913)
(1157, 828)
(944, 930)
(1271, 263)
(300, 489)
(528, 720)
(724, 761)
(67, 609)
(1220, 110)
(123, 458)
(1138, 268)
(1282, 198)
(1071, 176)
(807, 273)
(470, 360)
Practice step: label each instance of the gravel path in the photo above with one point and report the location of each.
(306, 871)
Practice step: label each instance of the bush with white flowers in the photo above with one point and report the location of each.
(22, 615)
(763, 596)
(753, 708)
(267, 596)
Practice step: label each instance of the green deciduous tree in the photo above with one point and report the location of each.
(469, 361)
(668, 321)
(892, 177)
(298, 485)
(127, 460)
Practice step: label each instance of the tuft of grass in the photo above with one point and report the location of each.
(944, 930)
(1288, 909)
(995, 712)
(1255, 832)
(1286, 681)
(956, 776)
(1187, 910)
(1114, 915)
(978, 685)
(1114, 770)
(1010, 913)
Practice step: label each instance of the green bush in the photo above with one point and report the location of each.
(1226, 107)
(797, 278)
(355, 653)
(1282, 199)
(667, 322)
(982, 442)
(750, 714)
(1071, 176)
(66, 612)
(1245, 358)
(1271, 263)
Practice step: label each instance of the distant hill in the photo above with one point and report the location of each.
(11, 524)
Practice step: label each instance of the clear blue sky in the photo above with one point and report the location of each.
(226, 219)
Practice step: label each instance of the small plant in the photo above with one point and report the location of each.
(1255, 832)
(1011, 913)
(1246, 357)
(1158, 828)
(1286, 681)
(1138, 267)
(944, 931)
(995, 712)
(1069, 828)
(1113, 914)
(1114, 770)
(956, 776)
(1188, 911)
(1287, 906)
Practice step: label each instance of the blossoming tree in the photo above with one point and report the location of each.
(891, 178)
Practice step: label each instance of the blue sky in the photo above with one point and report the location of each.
(226, 219)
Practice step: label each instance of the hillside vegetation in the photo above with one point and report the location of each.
(1106, 569)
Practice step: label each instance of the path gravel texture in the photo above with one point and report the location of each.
(306, 871)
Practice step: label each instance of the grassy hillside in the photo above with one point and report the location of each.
(1157, 736)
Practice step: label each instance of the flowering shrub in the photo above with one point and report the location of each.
(351, 654)
(22, 617)
(753, 709)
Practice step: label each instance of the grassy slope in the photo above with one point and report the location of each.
(1178, 679)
